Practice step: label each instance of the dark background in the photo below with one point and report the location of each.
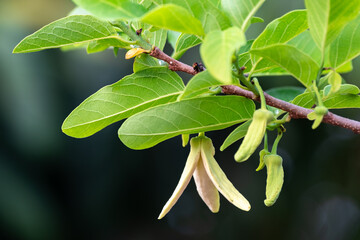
(56, 187)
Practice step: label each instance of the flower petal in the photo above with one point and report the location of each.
(218, 177)
(186, 175)
(206, 188)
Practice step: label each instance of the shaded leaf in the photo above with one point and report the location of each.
(236, 135)
(217, 51)
(184, 43)
(132, 94)
(287, 94)
(157, 124)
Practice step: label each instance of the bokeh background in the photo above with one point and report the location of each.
(56, 187)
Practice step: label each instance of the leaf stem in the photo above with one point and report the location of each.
(139, 40)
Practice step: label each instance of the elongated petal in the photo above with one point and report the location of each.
(219, 178)
(206, 188)
(186, 175)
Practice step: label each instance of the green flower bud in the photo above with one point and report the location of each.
(275, 178)
(254, 134)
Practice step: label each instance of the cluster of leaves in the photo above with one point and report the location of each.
(314, 45)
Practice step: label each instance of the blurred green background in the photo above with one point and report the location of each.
(56, 187)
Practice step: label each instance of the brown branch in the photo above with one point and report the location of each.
(294, 111)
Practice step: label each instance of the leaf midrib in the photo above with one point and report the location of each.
(188, 129)
(121, 112)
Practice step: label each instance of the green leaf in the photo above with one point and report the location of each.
(240, 12)
(67, 31)
(300, 65)
(184, 43)
(132, 94)
(305, 43)
(112, 9)
(157, 124)
(200, 84)
(327, 18)
(346, 46)
(173, 37)
(217, 51)
(102, 44)
(335, 81)
(144, 61)
(287, 94)
(305, 100)
(209, 15)
(155, 36)
(236, 135)
(346, 97)
(282, 29)
(173, 17)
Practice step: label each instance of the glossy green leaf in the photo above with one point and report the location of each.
(200, 84)
(282, 29)
(209, 15)
(132, 94)
(327, 18)
(144, 61)
(346, 46)
(217, 52)
(346, 97)
(235, 135)
(67, 31)
(112, 9)
(174, 17)
(184, 43)
(102, 44)
(241, 12)
(305, 43)
(157, 124)
(300, 65)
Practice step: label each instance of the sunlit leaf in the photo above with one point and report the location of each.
(217, 52)
(112, 9)
(132, 94)
(327, 18)
(300, 65)
(174, 17)
(241, 12)
(70, 30)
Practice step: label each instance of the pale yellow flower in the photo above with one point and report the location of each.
(209, 179)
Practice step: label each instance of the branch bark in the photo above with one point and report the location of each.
(295, 112)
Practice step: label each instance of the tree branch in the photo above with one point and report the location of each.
(295, 112)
